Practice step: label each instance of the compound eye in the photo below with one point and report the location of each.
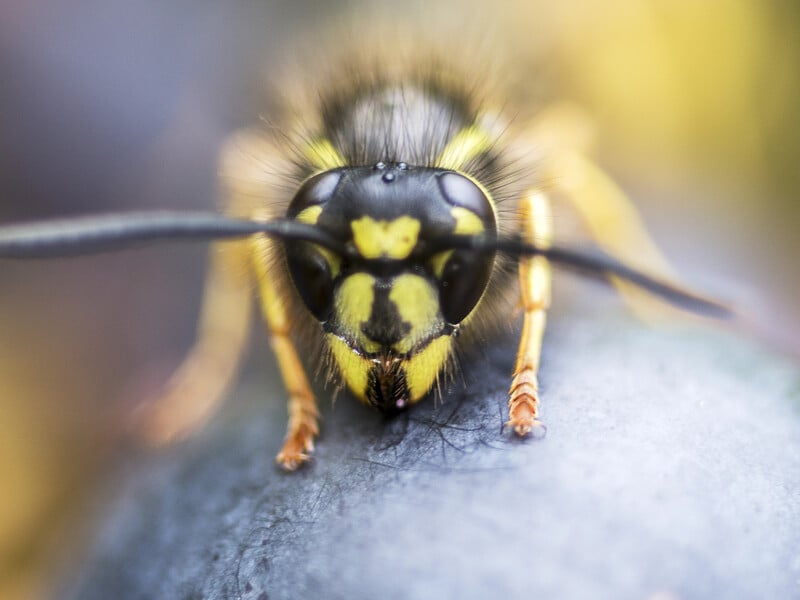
(461, 192)
(466, 273)
(311, 271)
(310, 266)
(316, 191)
(462, 283)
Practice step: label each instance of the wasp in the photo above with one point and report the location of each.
(395, 214)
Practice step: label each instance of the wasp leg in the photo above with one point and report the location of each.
(534, 279)
(612, 220)
(199, 385)
(614, 224)
(303, 413)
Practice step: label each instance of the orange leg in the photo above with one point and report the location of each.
(303, 413)
(534, 279)
(198, 387)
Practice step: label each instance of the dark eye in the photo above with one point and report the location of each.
(311, 267)
(314, 192)
(312, 276)
(460, 191)
(463, 281)
(466, 273)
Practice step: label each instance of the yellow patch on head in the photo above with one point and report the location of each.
(439, 261)
(353, 306)
(310, 216)
(467, 222)
(385, 239)
(353, 366)
(468, 143)
(423, 368)
(417, 301)
(323, 155)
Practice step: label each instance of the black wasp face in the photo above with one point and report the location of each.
(390, 306)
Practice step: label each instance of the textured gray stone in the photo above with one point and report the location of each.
(671, 465)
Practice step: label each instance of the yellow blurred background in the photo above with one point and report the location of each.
(123, 106)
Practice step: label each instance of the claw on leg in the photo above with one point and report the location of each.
(296, 449)
(523, 404)
(303, 428)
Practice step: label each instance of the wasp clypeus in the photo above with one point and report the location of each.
(394, 217)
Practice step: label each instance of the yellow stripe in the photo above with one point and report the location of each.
(354, 301)
(468, 143)
(310, 216)
(389, 239)
(353, 306)
(423, 368)
(417, 301)
(323, 155)
(353, 367)
(439, 261)
(467, 222)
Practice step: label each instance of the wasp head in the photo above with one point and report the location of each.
(391, 304)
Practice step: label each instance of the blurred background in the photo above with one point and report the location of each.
(114, 105)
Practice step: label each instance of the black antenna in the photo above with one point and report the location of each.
(594, 264)
(105, 233)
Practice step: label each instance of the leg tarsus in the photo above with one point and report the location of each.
(523, 405)
(302, 430)
(297, 448)
(534, 280)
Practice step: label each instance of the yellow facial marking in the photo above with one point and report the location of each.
(468, 143)
(439, 261)
(310, 216)
(353, 367)
(353, 306)
(418, 304)
(423, 368)
(385, 239)
(323, 155)
(467, 222)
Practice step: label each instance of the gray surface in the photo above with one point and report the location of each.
(672, 464)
